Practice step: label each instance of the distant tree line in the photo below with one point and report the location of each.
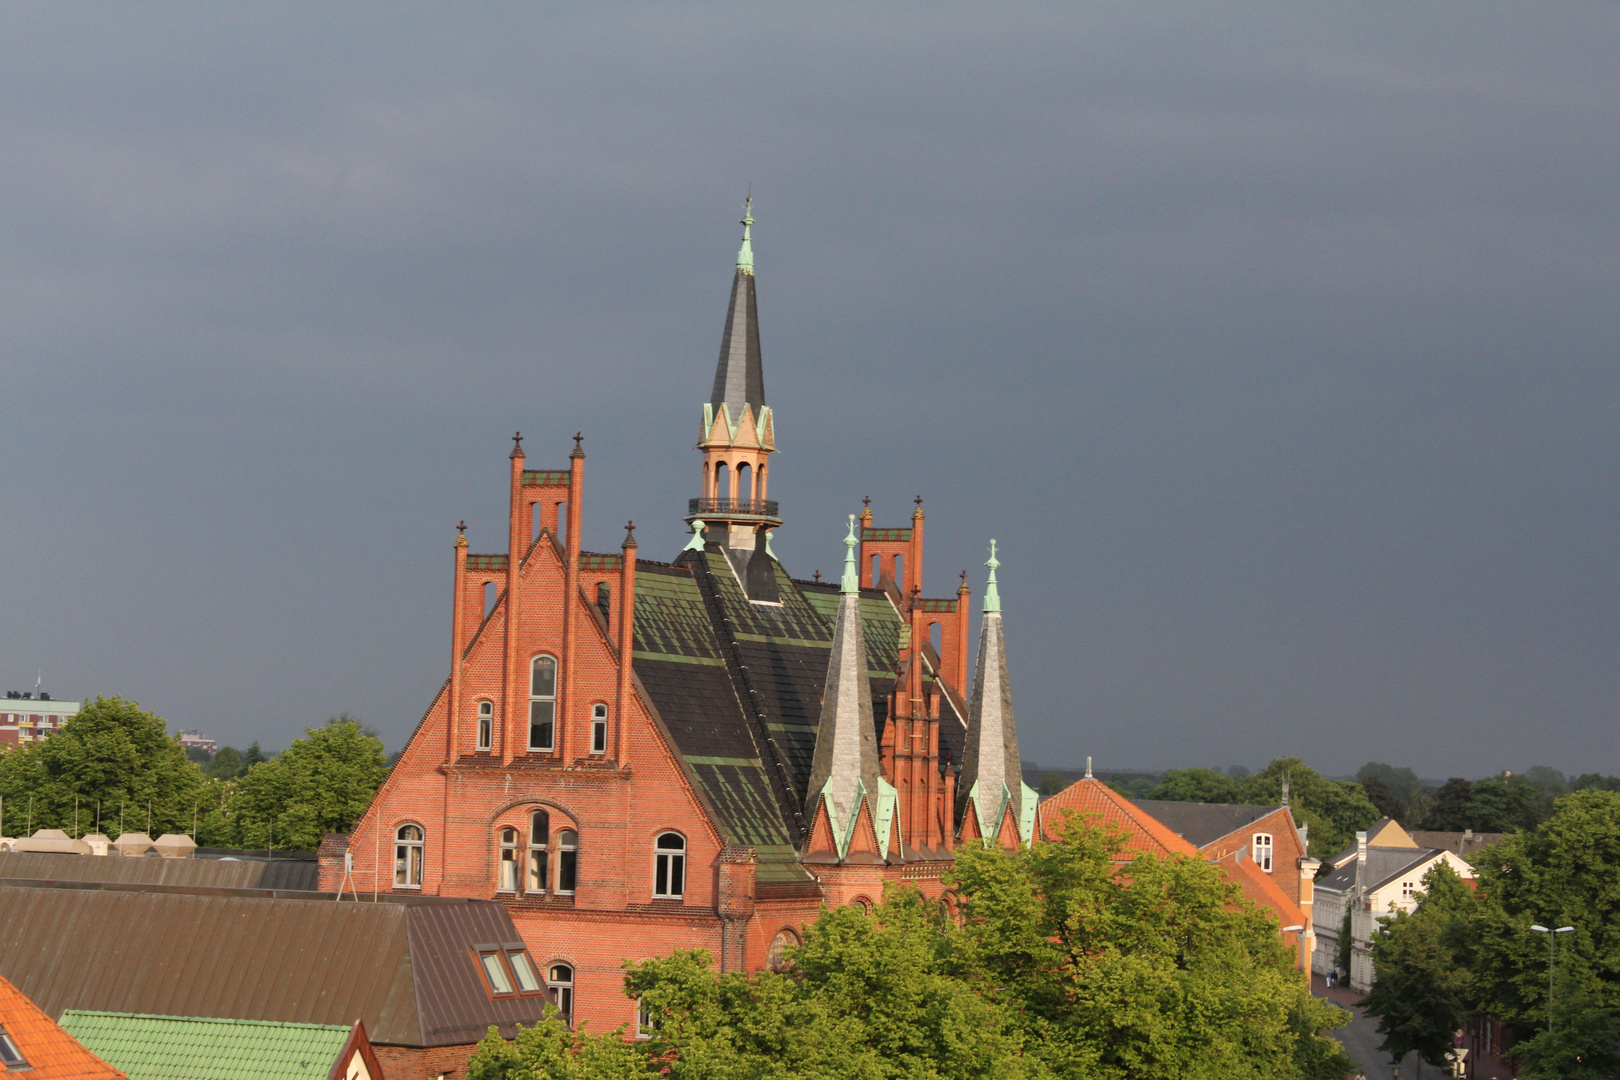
(115, 768)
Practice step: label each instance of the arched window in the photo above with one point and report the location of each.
(560, 988)
(745, 481)
(599, 728)
(567, 864)
(1262, 851)
(861, 904)
(543, 703)
(408, 857)
(486, 724)
(669, 866)
(776, 959)
(509, 861)
(722, 480)
(539, 833)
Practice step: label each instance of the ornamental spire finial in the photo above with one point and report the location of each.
(850, 583)
(745, 256)
(992, 598)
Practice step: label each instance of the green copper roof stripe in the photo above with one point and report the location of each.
(886, 534)
(546, 477)
(702, 759)
(678, 658)
(591, 561)
(486, 562)
(194, 1048)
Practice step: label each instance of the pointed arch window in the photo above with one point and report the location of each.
(486, 724)
(543, 704)
(408, 844)
(539, 835)
(599, 717)
(669, 866)
(508, 881)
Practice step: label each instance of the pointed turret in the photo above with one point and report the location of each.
(844, 772)
(992, 784)
(739, 432)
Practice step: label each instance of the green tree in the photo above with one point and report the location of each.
(1341, 957)
(1420, 967)
(1197, 785)
(1402, 783)
(1051, 784)
(226, 765)
(253, 756)
(1582, 1044)
(321, 783)
(1383, 799)
(1451, 810)
(1502, 805)
(1565, 872)
(1595, 780)
(113, 758)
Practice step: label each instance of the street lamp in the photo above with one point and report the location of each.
(1299, 948)
(1552, 956)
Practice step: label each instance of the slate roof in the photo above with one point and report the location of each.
(199, 1048)
(1202, 824)
(738, 686)
(1463, 844)
(50, 1052)
(405, 969)
(1384, 864)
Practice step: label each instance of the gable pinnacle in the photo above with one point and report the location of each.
(629, 536)
(517, 444)
(576, 452)
(917, 513)
(992, 598)
(850, 584)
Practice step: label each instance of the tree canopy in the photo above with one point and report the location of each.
(1057, 962)
(1333, 809)
(321, 783)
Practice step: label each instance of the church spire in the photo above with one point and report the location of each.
(739, 432)
(992, 771)
(739, 379)
(844, 771)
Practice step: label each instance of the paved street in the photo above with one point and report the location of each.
(1361, 1039)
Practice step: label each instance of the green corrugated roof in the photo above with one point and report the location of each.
(194, 1048)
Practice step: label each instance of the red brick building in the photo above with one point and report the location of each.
(636, 756)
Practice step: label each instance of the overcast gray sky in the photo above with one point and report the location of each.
(1274, 343)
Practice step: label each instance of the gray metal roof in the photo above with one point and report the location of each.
(1384, 864)
(739, 378)
(47, 866)
(407, 970)
(1202, 823)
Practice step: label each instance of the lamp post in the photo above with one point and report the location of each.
(1552, 957)
(1299, 946)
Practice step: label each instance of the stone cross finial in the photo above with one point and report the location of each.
(629, 534)
(517, 444)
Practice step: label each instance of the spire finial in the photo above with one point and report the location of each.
(576, 452)
(517, 444)
(963, 588)
(696, 543)
(1088, 768)
(461, 526)
(918, 512)
(461, 535)
(629, 535)
(992, 598)
(745, 256)
(817, 576)
(850, 583)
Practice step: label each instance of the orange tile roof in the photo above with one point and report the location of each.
(51, 1053)
(1258, 886)
(1093, 798)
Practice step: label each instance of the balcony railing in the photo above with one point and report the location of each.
(765, 508)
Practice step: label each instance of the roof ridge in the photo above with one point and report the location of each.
(207, 1019)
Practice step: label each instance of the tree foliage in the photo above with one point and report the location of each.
(1420, 968)
(1060, 965)
(111, 758)
(1334, 810)
(321, 783)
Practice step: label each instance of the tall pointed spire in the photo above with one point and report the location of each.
(739, 379)
(844, 770)
(992, 770)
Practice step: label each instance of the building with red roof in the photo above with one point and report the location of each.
(31, 1042)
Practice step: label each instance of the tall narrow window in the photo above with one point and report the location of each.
(1262, 851)
(539, 831)
(486, 724)
(408, 857)
(567, 861)
(543, 703)
(560, 988)
(745, 482)
(509, 861)
(599, 728)
(669, 866)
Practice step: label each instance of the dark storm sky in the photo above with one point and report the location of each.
(1275, 344)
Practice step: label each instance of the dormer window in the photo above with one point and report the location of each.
(1262, 851)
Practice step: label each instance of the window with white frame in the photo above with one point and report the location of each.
(543, 704)
(560, 988)
(539, 836)
(567, 861)
(508, 881)
(408, 841)
(669, 866)
(1408, 888)
(645, 1024)
(1262, 851)
(599, 728)
(486, 724)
